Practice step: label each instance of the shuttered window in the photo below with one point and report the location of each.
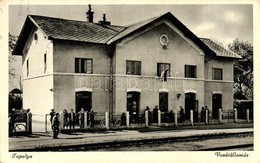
(217, 74)
(190, 71)
(83, 65)
(133, 67)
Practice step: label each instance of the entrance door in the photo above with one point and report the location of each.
(83, 100)
(133, 101)
(163, 101)
(190, 103)
(216, 104)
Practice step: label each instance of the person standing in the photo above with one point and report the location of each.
(149, 114)
(123, 119)
(52, 114)
(56, 125)
(203, 114)
(171, 116)
(72, 117)
(11, 120)
(155, 114)
(81, 118)
(181, 114)
(65, 119)
(92, 118)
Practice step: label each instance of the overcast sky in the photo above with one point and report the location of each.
(220, 22)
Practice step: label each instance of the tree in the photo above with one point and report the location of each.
(12, 41)
(243, 69)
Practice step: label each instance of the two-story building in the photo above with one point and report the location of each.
(71, 64)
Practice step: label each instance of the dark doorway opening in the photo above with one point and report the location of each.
(83, 100)
(163, 101)
(133, 101)
(190, 104)
(216, 104)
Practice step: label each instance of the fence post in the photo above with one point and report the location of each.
(235, 115)
(220, 115)
(207, 116)
(61, 120)
(191, 117)
(107, 120)
(85, 120)
(29, 122)
(146, 119)
(247, 115)
(127, 119)
(159, 117)
(175, 117)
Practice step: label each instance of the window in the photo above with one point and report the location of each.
(217, 74)
(27, 67)
(161, 67)
(133, 67)
(83, 65)
(45, 62)
(35, 37)
(190, 71)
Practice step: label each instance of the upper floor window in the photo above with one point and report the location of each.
(83, 65)
(162, 67)
(190, 71)
(45, 62)
(27, 67)
(217, 74)
(133, 67)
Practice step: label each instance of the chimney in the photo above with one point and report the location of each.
(90, 14)
(104, 22)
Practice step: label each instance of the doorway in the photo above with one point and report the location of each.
(190, 104)
(163, 101)
(216, 104)
(133, 101)
(83, 100)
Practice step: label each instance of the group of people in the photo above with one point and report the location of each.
(167, 116)
(69, 120)
(203, 112)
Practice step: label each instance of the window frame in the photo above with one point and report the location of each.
(81, 65)
(27, 67)
(214, 76)
(130, 63)
(188, 74)
(159, 68)
(45, 62)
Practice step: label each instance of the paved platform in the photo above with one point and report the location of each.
(44, 140)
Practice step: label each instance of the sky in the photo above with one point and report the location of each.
(223, 23)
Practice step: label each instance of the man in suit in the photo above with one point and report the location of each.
(52, 114)
(56, 125)
(72, 117)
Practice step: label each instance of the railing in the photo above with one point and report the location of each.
(126, 120)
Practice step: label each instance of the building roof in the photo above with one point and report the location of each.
(219, 50)
(76, 30)
(83, 31)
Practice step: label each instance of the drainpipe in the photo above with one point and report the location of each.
(110, 51)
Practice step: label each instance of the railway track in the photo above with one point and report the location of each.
(114, 146)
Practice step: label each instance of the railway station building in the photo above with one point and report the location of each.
(70, 64)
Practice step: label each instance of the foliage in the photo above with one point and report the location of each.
(243, 69)
(12, 41)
